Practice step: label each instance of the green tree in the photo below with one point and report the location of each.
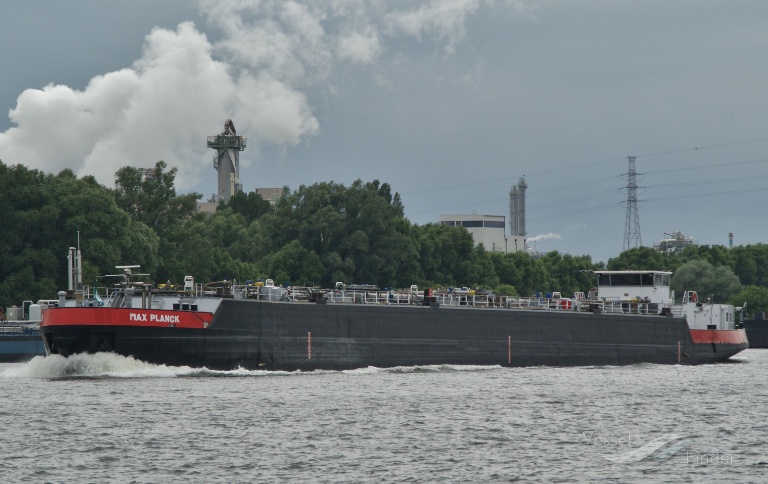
(526, 274)
(642, 258)
(250, 205)
(750, 262)
(446, 254)
(359, 233)
(569, 274)
(755, 298)
(321, 233)
(294, 264)
(151, 198)
(505, 269)
(717, 255)
(505, 290)
(716, 282)
(43, 215)
(187, 250)
(481, 271)
(140, 245)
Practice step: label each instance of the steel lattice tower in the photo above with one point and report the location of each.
(632, 224)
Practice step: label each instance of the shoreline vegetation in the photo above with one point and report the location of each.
(313, 235)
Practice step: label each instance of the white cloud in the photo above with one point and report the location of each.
(184, 86)
(444, 19)
(163, 107)
(361, 47)
(271, 111)
(284, 38)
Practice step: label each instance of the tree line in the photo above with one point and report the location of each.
(314, 235)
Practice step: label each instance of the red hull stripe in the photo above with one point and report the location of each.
(730, 336)
(124, 317)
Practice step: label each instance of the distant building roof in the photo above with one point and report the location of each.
(270, 194)
(674, 243)
(207, 207)
(488, 230)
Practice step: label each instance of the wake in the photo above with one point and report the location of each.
(111, 365)
(105, 365)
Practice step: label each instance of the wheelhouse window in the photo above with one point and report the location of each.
(633, 279)
(625, 279)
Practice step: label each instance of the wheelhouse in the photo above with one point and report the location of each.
(644, 286)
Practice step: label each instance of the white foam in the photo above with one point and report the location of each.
(370, 370)
(91, 366)
(421, 368)
(110, 365)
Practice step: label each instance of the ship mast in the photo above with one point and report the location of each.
(75, 267)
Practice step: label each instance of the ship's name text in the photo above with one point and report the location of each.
(155, 318)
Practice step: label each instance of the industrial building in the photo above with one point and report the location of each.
(517, 209)
(270, 194)
(227, 160)
(489, 230)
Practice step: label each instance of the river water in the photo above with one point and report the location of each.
(97, 418)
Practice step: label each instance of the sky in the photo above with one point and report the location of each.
(450, 102)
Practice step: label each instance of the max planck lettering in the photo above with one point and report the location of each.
(155, 318)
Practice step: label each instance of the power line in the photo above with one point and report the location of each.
(652, 200)
(604, 180)
(531, 208)
(571, 167)
(537, 207)
(702, 148)
(708, 194)
(715, 165)
(710, 182)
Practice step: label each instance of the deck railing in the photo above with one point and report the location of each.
(457, 299)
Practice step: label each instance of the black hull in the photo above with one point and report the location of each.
(303, 336)
(757, 332)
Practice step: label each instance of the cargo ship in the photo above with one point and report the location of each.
(629, 317)
(20, 338)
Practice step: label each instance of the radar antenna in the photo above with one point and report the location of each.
(127, 274)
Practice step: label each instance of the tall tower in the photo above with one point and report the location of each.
(517, 209)
(227, 160)
(632, 224)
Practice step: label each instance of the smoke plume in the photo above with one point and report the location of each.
(184, 86)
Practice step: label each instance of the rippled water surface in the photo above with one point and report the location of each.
(102, 417)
